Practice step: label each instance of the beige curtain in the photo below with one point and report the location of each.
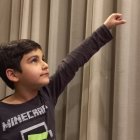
(102, 101)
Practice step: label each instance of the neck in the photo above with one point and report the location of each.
(21, 96)
(24, 95)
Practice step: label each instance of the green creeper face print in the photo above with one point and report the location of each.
(36, 132)
(40, 136)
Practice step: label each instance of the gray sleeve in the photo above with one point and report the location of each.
(76, 59)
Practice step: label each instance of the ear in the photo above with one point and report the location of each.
(11, 75)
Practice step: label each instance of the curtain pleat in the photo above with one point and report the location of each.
(127, 82)
(77, 34)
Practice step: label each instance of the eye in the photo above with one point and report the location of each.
(34, 60)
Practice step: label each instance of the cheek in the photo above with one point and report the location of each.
(30, 78)
(33, 73)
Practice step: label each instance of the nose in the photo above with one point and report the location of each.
(44, 65)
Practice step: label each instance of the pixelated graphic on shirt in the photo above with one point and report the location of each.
(37, 132)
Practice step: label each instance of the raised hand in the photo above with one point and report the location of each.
(114, 20)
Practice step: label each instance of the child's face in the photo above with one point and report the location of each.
(35, 72)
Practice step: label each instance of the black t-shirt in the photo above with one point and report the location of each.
(34, 119)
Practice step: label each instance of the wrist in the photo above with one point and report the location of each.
(107, 26)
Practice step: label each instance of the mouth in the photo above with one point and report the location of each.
(45, 74)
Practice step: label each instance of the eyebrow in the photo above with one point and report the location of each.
(34, 56)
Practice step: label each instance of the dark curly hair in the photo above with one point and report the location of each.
(11, 54)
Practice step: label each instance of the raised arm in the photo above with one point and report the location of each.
(79, 56)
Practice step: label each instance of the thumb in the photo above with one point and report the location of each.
(118, 22)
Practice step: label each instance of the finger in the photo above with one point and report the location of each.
(120, 22)
(117, 14)
(123, 21)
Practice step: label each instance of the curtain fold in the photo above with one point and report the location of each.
(98, 117)
(127, 81)
(5, 23)
(102, 101)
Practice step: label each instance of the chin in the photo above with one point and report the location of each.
(43, 82)
(46, 82)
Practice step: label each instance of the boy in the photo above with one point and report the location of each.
(28, 114)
